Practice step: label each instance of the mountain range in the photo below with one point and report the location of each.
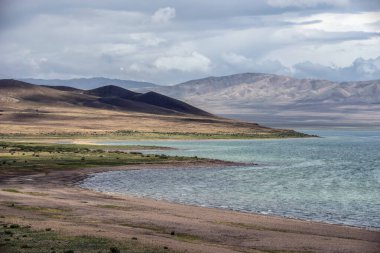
(269, 99)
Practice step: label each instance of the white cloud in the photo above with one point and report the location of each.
(163, 15)
(232, 58)
(186, 63)
(147, 39)
(342, 22)
(306, 3)
(118, 49)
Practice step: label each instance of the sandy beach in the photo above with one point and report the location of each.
(179, 227)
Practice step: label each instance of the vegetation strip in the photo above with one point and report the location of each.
(39, 157)
(136, 135)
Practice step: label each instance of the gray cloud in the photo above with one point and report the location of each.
(360, 69)
(306, 4)
(172, 41)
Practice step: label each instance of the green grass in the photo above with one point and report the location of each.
(25, 239)
(39, 157)
(34, 145)
(11, 190)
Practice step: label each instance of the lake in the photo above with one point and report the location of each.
(334, 179)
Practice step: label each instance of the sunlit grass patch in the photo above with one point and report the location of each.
(39, 157)
(11, 190)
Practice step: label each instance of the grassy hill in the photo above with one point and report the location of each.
(28, 109)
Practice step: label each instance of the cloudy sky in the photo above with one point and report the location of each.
(167, 42)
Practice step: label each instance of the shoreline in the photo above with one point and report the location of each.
(206, 229)
(206, 165)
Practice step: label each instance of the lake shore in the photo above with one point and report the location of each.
(25, 200)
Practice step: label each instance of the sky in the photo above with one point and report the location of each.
(169, 42)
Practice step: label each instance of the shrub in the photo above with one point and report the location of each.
(114, 250)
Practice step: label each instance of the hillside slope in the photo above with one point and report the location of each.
(29, 109)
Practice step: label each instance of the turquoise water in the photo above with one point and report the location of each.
(334, 179)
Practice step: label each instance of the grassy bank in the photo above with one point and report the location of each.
(139, 135)
(41, 157)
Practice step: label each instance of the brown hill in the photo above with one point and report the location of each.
(28, 108)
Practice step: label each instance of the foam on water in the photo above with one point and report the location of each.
(333, 179)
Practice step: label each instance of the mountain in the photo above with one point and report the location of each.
(108, 97)
(29, 109)
(90, 83)
(278, 99)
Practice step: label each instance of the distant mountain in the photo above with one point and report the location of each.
(263, 97)
(90, 83)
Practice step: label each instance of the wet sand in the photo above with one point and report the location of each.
(78, 211)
